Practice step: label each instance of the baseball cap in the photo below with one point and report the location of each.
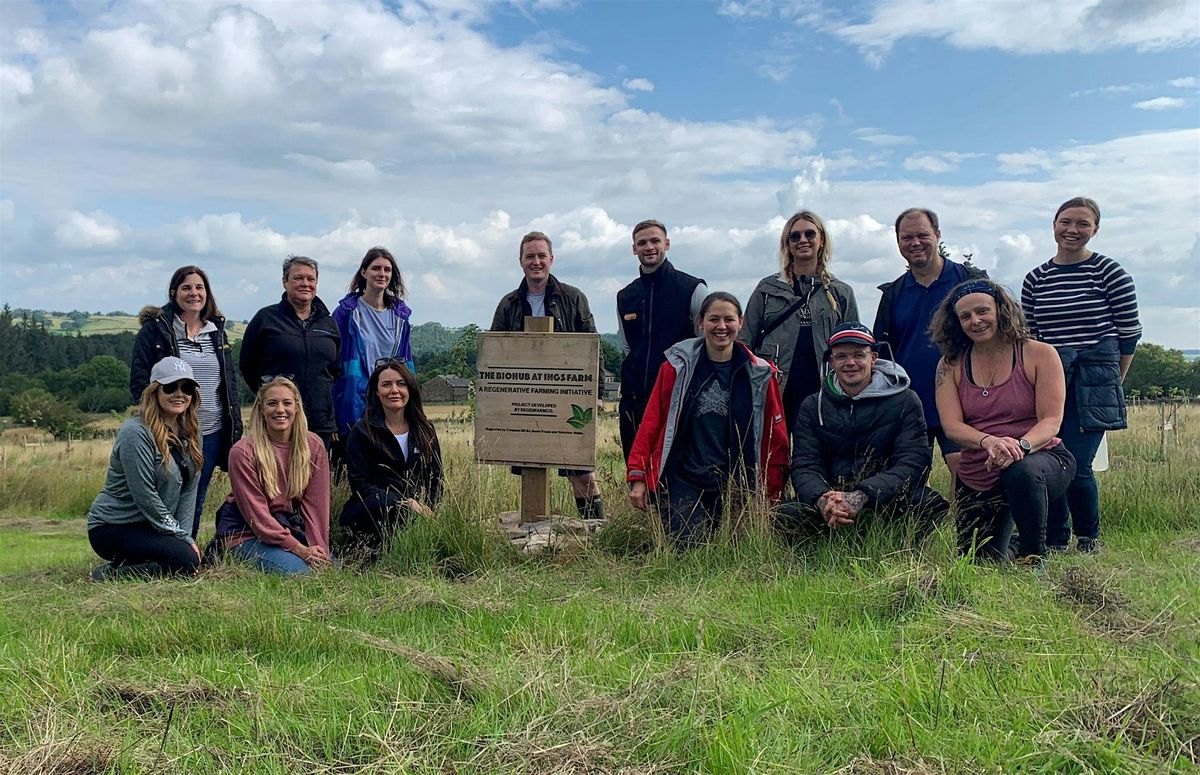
(171, 369)
(849, 333)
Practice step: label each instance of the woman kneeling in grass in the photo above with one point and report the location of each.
(1000, 396)
(141, 522)
(393, 459)
(277, 516)
(714, 421)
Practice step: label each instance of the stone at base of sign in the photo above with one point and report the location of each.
(553, 533)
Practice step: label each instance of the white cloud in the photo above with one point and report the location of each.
(93, 230)
(1026, 26)
(937, 162)
(349, 169)
(638, 84)
(1024, 162)
(876, 136)
(1188, 82)
(1160, 103)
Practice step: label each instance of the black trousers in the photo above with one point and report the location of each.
(631, 411)
(986, 518)
(921, 513)
(690, 515)
(140, 549)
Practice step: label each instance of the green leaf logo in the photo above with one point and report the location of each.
(579, 417)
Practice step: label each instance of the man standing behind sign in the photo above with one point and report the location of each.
(540, 294)
(655, 311)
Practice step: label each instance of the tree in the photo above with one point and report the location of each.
(1154, 366)
(39, 408)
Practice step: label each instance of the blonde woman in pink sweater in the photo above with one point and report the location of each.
(277, 516)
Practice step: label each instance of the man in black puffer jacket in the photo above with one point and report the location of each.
(859, 444)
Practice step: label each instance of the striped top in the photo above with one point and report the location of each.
(201, 354)
(1077, 305)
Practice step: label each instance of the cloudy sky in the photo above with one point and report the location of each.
(139, 136)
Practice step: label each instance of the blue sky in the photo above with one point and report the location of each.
(137, 136)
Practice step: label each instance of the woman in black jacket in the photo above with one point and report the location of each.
(393, 460)
(190, 327)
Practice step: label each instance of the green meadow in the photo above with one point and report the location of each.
(857, 654)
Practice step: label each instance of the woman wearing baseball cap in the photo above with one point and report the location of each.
(141, 522)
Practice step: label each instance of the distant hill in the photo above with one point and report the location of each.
(91, 323)
(427, 338)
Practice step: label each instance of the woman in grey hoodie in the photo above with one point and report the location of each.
(141, 522)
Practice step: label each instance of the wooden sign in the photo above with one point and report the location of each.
(535, 399)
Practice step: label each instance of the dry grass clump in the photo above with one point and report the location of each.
(1105, 607)
(865, 765)
(1161, 718)
(468, 684)
(62, 757)
(142, 699)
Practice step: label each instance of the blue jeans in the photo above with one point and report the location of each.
(212, 448)
(270, 558)
(1082, 499)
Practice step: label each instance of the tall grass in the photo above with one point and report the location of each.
(856, 654)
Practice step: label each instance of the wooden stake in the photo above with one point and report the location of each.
(535, 482)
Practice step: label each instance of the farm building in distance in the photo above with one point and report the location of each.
(446, 389)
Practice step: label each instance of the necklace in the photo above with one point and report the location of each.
(991, 383)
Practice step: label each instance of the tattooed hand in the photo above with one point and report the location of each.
(855, 501)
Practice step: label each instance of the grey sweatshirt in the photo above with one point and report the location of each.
(137, 488)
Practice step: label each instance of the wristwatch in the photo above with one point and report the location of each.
(1025, 446)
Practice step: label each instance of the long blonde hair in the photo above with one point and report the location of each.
(300, 462)
(164, 435)
(824, 255)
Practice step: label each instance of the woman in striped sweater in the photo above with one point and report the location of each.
(1084, 304)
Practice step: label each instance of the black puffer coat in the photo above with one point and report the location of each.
(874, 442)
(381, 478)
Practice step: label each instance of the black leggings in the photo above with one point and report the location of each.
(141, 549)
(985, 519)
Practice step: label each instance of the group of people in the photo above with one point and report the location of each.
(716, 401)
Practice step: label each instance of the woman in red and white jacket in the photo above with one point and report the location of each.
(714, 423)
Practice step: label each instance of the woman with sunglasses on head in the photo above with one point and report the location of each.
(393, 460)
(141, 522)
(1083, 304)
(713, 425)
(277, 515)
(372, 320)
(190, 327)
(791, 314)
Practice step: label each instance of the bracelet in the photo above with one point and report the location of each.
(986, 436)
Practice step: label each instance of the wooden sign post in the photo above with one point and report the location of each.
(535, 405)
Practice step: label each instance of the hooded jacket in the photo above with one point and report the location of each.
(660, 425)
(773, 296)
(380, 476)
(156, 340)
(874, 442)
(277, 342)
(350, 387)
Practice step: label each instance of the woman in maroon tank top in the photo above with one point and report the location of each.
(1000, 395)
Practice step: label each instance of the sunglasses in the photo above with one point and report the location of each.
(808, 234)
(388, 362)
(267, 379)
(188, 388)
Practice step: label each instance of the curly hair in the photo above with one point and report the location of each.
(946, 331)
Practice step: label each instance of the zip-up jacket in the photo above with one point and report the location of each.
(156, 340)
(381, 477)
(891, 291)
(772, 297)
(1094, 379)
(350, 387)
(277, 342)
(565, 303)
(874, 442)
(660, 425)
(654, 312)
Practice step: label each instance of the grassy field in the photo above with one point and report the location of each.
(853, 655)
(116, 324)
